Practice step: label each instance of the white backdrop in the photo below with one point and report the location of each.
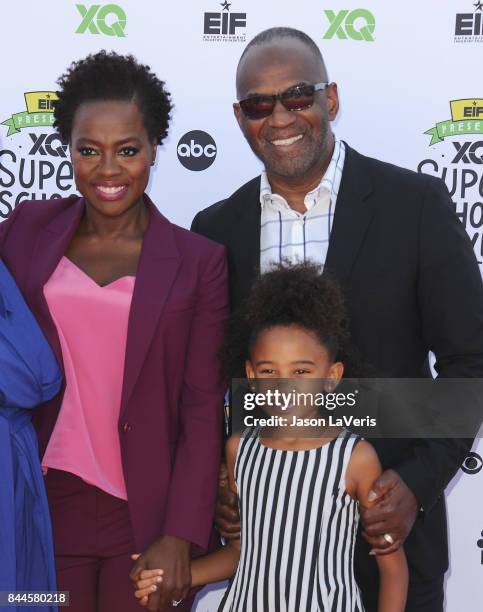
(398, 68)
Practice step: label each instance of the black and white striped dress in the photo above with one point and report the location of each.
(298, 529)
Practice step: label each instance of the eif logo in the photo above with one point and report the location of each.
(196, 150)
(224, 25)
(469, 26)
(358, 24)
(109, 19)
(40, 112)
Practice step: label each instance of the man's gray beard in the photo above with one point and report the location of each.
(296, 167)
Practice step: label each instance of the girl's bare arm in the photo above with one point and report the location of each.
(364, 468)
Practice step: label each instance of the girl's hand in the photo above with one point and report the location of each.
(147, 582)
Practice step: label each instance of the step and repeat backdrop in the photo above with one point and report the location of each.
(409, 77)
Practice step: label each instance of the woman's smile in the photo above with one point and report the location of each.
(110, 192)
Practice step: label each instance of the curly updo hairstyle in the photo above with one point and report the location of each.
(110, 76)
(291, 295)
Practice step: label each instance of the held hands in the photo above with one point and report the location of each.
(151, 574)
(159, 588)
(147, 583)
(387, 523)
(227, 516)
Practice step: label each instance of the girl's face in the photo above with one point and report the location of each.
(291, 352)
(111, 154)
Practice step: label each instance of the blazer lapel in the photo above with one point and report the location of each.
(243, 240)
(53, 240)
(353, 215)
(158, 267)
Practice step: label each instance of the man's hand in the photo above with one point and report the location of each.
(173, 556)
(227, 516)
(393, 513)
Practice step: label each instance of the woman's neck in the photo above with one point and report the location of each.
(130, 224)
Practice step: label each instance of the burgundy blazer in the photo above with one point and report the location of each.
(172, 396)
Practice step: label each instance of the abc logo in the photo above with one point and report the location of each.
(472, 464)
(196, 150)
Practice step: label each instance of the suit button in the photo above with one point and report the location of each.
(126, 428)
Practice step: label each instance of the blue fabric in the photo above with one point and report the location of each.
(29, 375)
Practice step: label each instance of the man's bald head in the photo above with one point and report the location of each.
(282, 37)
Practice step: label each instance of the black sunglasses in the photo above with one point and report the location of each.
(297, 98)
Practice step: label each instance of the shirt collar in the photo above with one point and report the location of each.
(325, 185)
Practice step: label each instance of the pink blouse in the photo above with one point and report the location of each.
(92, 325)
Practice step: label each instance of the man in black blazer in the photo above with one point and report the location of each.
(392, 240)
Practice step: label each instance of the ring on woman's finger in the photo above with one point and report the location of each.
(388, 537)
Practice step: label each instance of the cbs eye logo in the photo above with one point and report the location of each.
(196, 150)
(472, 464)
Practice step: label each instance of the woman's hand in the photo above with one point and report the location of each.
(173, 556)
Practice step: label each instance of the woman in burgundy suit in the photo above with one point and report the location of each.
(134, 307)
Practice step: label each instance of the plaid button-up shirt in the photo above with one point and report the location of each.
(294, 236)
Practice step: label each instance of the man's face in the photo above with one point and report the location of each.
(291, 144)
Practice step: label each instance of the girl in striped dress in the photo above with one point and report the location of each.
(298, 495)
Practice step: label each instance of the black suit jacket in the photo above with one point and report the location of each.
(412, 285)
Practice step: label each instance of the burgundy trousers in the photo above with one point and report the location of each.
(93, 545)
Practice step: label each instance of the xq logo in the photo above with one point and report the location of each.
(468, 152)
(43, 144)
(109, 19)
(358, 24)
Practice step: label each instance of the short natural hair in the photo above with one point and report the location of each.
(284, 296)
(110, 76)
